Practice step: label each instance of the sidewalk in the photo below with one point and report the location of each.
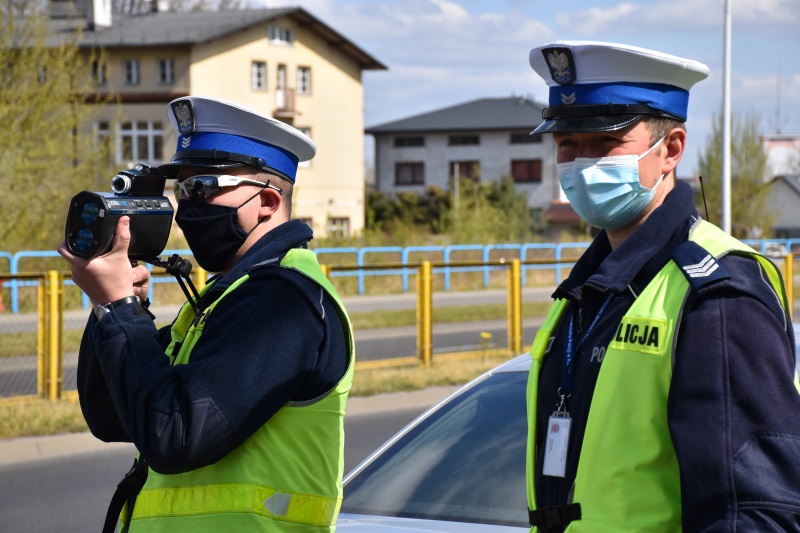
(48, 447)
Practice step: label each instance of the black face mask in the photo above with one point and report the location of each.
(212, 231)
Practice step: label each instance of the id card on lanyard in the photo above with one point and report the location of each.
(556, 444)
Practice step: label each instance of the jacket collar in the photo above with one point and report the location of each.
(641, 256)
(269, 248)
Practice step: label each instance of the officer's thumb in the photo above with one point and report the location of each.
(122, 236)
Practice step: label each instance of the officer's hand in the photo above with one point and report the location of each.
(108, 277)
(141, 280)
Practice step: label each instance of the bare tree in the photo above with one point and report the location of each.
(749, 171)
(46, 152)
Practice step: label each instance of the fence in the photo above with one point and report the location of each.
(38, 348)
(403, 257)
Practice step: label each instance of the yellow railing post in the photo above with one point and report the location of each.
(788, 281)
(325, 270)
(424, 315)
(200, 277)
(514, 307)
(41, 338)
(55, 326)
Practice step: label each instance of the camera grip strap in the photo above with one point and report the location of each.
(127, 490)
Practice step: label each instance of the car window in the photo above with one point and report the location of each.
(464, 463)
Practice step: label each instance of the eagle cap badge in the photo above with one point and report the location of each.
(561, 64)
(184, 115)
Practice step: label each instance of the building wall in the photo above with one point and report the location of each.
(783, 201)
(494, 154)
(331, 186)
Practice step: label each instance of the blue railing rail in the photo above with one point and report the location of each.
(18, 258)
(405, 255)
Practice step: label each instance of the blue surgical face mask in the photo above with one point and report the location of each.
(605, 191)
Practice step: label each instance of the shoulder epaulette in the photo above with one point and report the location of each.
(698, 265)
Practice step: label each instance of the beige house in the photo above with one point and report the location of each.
(282, 62)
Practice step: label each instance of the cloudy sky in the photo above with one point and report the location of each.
(445, 52)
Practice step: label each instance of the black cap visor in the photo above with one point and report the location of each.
(596, 118)
(170, 170)
(214, 159)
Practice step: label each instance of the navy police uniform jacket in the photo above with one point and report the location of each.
(732, 378)
(275, 339)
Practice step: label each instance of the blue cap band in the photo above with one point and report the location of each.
(274, 157)
(667, 98)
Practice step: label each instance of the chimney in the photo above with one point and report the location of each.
(96, 13)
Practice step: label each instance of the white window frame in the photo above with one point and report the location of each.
(152, 134)
(258, 75)
(305, 164)
(278, 35)
(338, 225)
(166, 71)
(131, 72)
(98, 72)
(303, 80)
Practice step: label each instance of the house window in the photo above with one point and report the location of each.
(303, 80)
(98, 72)
(141, 142)
(401, 142)
(463, 140)
(307, 221)
(258, 76)
(305, 164)
(465, 169)
(525, 138)
(409, 173)
(132, 72)
(280, 36)
(166, 71)
(526, 170)
(338, 227)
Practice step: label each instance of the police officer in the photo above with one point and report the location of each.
(236, 409)
(662, 394)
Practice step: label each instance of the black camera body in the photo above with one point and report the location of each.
(137, 193)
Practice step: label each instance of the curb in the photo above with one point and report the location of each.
(24, 449)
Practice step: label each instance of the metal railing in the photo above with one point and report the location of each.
(32, 345)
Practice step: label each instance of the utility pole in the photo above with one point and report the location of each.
(726, 125)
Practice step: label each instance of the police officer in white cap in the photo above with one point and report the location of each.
(662, 393)
(237, 408)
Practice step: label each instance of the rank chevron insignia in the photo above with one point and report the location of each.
(703, 269)
(186, 142)
(568, 99)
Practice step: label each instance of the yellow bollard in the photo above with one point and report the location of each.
(41, 338)
(424, 313)
(514, 307)
(55, 326)
(200, 277)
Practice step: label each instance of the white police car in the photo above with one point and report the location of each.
(458, 467)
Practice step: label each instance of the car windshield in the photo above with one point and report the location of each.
(464, 463)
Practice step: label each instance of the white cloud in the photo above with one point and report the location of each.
(444, 52)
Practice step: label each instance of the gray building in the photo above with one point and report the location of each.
(484, 139)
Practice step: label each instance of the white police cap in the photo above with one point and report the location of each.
(218, 134)
(596, 86)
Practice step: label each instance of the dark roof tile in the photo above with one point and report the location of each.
(476, 115)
